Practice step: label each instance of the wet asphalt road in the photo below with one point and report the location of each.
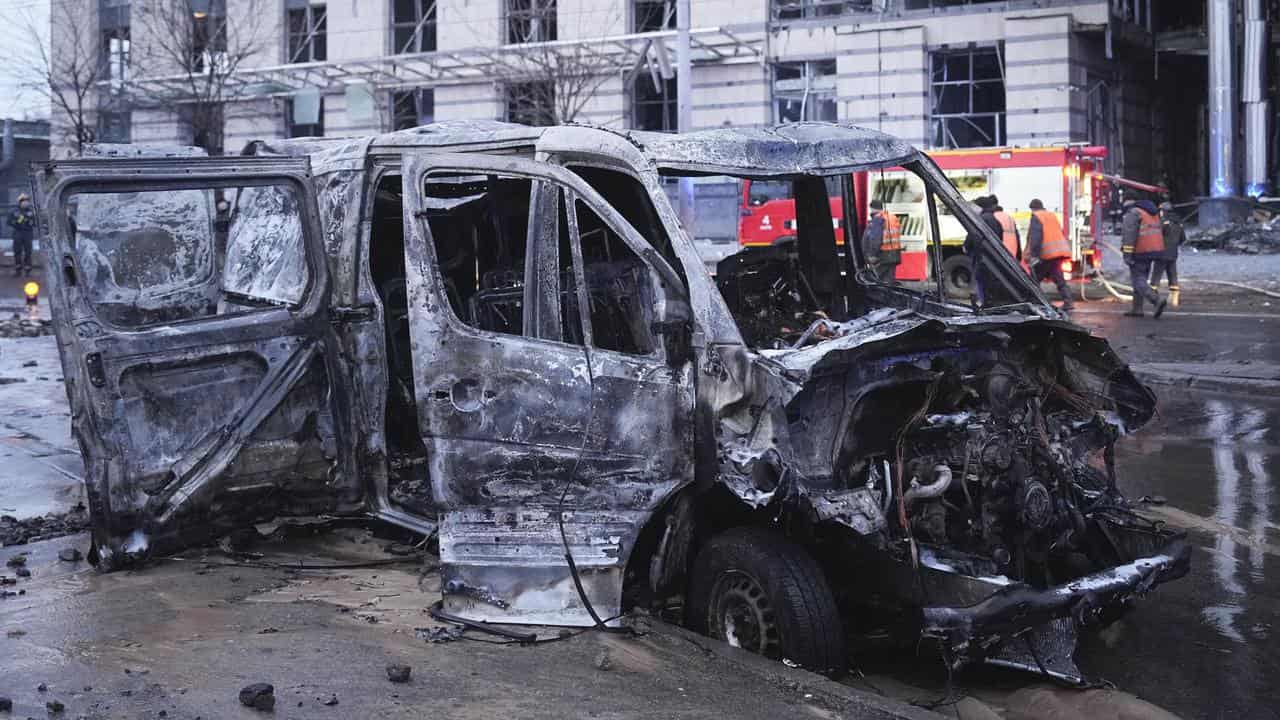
(1203, 646)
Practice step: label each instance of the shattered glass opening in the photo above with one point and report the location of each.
(165, 255)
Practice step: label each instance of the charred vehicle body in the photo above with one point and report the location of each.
(501, 333)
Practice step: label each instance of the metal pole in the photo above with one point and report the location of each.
(1222, 108)
(1253, 94)
(684, 104)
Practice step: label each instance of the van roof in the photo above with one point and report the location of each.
(789, 149)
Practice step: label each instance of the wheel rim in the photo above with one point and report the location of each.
(961, 278)
(741, 615)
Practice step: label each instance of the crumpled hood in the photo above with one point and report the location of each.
(1089, 356)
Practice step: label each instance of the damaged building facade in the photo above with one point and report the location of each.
(938, 73)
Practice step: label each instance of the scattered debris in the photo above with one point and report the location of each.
(268, 631)
(333, 700)
(4, 580)
(398, 673)
(54, 707)
(30, 363)
(42, 687)
(22, 572)
(15, 633)
(399, 549)
(20, 532)
(6, 705)
(604, 661)
(69, 555)
(1250, 237)
(259, 696)
(18, 326)
(17, 560)
(442, 634)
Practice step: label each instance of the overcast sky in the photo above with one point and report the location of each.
(16, 45)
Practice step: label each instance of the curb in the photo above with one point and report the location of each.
(845, 699)
(1213, 383)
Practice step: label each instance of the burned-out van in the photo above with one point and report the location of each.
(502, 333)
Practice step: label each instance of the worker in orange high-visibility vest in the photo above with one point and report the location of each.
(1142, 243)
(882, 243)
(1047, 248)
(1009, 235)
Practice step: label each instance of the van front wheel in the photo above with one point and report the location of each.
(755, 589)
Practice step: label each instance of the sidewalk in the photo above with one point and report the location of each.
(184, 636)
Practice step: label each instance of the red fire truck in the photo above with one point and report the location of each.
(1065, 178)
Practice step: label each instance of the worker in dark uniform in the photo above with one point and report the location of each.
(975, 248)
(882, 243)
(1174, 236)
(1142, 244)
(1047, 248)
(22, 221)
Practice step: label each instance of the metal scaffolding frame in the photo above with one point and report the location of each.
(616, 53)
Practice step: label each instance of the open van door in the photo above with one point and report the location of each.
(191, 306)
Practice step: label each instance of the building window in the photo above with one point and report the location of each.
(306, 26)
(209, 35)
(800, 9)
(298, 126)
(114, 51)
(968, 98)
(805, 90)
(113, 42)
(653, 15)
(531, 103)
(411, 108)
(413, 26)
(531, 21)
(653, 107)
(114, 126)
(943, 4)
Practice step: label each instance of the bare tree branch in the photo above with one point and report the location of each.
(199, 46)
(545, 82)
(67, 77)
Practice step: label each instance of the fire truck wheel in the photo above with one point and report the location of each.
(957, 276)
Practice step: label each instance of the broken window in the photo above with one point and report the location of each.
(620, 297)
(411, 108)
(413, 26)
(799, 9)
(968, 98)
(307, 34)
(160, 255)
(628, 196)
(653, 15)
(531, 103)
(479, 226)
(805, 90)
(653, 104)
(531, 21)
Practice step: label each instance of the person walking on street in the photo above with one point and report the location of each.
(1174, 236)
(22, 220)
(1142, 243)
(882, 243)
(1047, 247)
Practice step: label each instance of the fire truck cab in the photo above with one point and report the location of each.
(1061, 177)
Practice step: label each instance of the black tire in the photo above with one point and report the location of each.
(754, 588)
(957, 276)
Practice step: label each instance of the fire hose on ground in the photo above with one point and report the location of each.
(1116, 288)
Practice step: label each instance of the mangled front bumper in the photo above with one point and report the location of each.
(1025, 627)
